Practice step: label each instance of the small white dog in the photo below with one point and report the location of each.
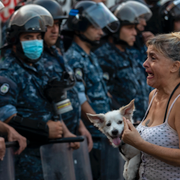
(112, 125)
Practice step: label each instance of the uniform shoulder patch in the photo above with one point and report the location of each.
(106, 76)
(78, 72)
(4, 88)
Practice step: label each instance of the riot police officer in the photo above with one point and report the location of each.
(24, 103)
(12, 134)
(142, 36)
(86, 22)
(52, 59)
(125, 76)
(139, 48)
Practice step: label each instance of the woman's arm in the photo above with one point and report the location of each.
(132, 137)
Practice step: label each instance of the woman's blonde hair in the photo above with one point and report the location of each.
(167, 44)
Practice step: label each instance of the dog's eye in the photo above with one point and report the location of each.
(119, 122)
(108, 124)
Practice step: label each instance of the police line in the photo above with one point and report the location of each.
(58, 160)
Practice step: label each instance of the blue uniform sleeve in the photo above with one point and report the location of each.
(7, 111)
(78, 68)
(82, 97)
(8, 97)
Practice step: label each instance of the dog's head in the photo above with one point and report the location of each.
(111, 123)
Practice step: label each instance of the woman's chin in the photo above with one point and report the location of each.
(150, 83)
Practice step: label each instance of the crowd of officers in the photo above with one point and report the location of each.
(91, 60)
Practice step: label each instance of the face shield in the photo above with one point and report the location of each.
(31, 11)
(132, 11)
(174, 9)
(141, 9)
(126, 14)
(100, 17)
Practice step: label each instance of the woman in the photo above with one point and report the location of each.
(159, 132)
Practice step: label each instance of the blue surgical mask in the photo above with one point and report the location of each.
(32, 49)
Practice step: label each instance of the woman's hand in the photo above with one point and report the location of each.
(130, 134)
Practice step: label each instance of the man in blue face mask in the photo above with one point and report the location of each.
(24, 104)
(32, 46)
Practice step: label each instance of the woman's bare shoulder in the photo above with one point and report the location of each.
(176, 114)
(151, 94)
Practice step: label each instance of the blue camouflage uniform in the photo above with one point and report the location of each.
(126, 77)
(28, 101)
(88, 68)
(54, 63)
(139, 54)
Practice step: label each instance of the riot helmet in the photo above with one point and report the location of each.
(169, 13)
(53, 7)
(144, 14)
(28, 19)
(129, 13)
(88, 13)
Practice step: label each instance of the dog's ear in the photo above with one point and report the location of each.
(127, 111)
(98, 120)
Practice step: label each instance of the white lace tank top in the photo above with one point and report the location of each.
(162, 135)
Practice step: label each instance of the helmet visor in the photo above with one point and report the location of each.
(126, 14)
(141, 10)
(27, 12)
(100, 17)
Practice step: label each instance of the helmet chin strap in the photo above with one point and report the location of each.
(85, 39)
(20, 54)
(119, 41)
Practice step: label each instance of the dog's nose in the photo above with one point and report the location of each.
(115, 132)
